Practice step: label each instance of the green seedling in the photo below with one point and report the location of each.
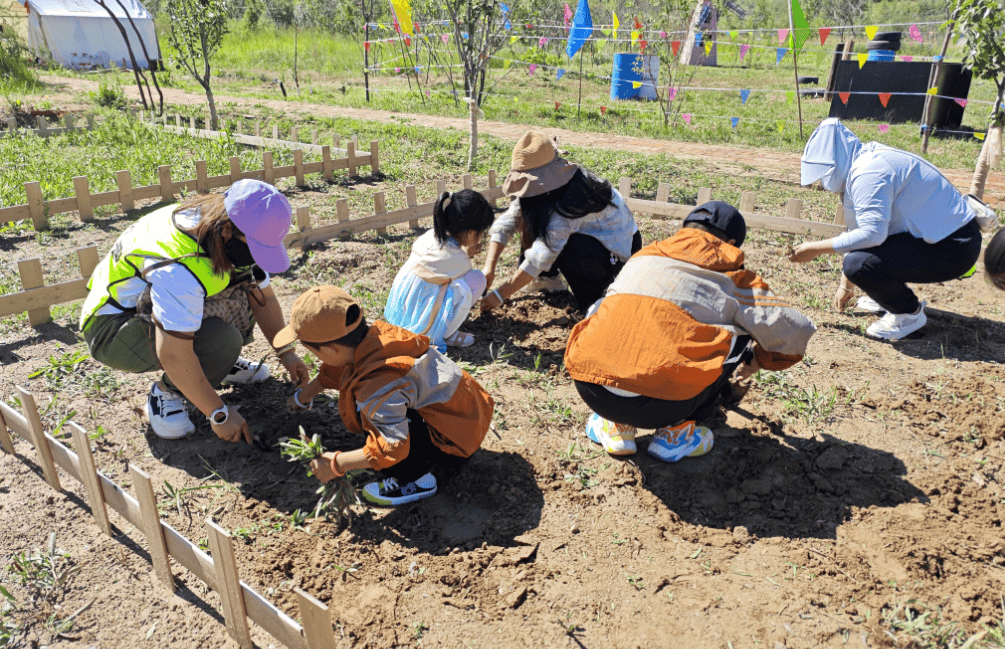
(336, 497)
(636, 582)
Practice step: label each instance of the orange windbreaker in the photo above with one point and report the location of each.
(395, 370)
(667, 322)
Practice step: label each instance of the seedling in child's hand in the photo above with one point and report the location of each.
(337, 496)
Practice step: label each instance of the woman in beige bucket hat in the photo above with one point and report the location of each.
(571, 222)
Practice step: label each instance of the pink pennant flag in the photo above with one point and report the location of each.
(884, 98)
(782, 33)
(531, 69)
(427, 93)
(445, 38)
(883, 128)
(671, 93)
(961, 102)
(687, 118)
(743, 50)
(397, 70)
(663, 34)
(916, 33)
(568, 14)
(907, 59)
(543, 41)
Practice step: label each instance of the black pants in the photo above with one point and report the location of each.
(588, 267)
(883, 272)
(423, 456)
(649, 412)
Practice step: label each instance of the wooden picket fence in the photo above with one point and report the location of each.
(44, 130)
(36, 298)
(38, 210)
(219, 572)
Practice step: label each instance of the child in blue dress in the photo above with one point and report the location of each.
(433, 292)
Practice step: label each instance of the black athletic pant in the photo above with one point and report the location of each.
(588, 267)
(423, 455)
(649, 412)
(883, 272)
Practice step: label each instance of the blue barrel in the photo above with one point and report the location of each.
(881, 55)
(634, 68)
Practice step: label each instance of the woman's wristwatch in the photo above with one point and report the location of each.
(219, 416)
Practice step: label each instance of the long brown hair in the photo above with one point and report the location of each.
(209, 232)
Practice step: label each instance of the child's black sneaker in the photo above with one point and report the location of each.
(390, 494)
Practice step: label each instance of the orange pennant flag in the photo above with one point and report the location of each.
(884, 98)
(844, 97)
(557, 105)
(603, 109)
(824, 32)
(676, 47)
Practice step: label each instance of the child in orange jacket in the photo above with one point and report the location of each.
(674, 326)
(418, 409)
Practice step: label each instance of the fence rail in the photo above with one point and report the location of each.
(36, 297)
(219, 572)
(44, 130)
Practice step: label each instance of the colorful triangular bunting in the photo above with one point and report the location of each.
(743, 96)
(824, 33)
(844, 97)
(884, 98)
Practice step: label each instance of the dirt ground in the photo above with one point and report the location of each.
(855, 500)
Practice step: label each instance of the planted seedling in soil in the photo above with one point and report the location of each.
(336, 497)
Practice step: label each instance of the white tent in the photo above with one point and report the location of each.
(81, 34)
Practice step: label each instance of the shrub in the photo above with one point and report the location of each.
(109, 95)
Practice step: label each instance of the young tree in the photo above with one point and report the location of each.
(137, 73)
(980, 24)
(479, 32)
(197, 30)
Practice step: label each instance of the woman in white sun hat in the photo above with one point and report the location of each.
(571, 222)
(906, 223)
(181, 290)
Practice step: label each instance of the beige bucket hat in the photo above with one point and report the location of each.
(536, 167)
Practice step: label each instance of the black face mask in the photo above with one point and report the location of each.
(238, 253)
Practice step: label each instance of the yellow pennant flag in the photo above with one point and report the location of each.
(870, 31)
(934, 90)
(507, 63)
(635, 36)
(513, 39)
(862, 58)
(980, 136)
(636, 84)
(404, 13)
(781, 126)
(616, 22)
(708, 48)
(381, 25)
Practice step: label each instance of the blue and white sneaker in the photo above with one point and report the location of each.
(672, 444)
(245, 371)
(617, 439)
(167, 414)
(391, 494)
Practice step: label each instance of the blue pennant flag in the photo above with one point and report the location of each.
(582, 28)
(735, 121)
(743, 96)
(508, 26)
(697, 39)
(937, 58)
(780, 54)
(559, 74)
(465, 35)
(505, 9)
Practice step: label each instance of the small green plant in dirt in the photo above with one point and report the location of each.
(66, 373)
(44, 575)
(572, 459)
(913, 624)
(109, 95)
(336, 497)
(810, 405)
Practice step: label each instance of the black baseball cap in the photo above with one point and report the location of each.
(722, 216)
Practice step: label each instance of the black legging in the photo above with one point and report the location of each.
(423, 455)
(588, 267)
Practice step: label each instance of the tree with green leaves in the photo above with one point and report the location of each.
(196, 32)
(981, 24)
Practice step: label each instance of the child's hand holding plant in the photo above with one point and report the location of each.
(337, 493)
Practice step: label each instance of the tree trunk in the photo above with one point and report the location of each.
(473, 151)
(212, 106)
(366, 58)
(151, 64)
(981, 171)
(129, 48)
(990, 151)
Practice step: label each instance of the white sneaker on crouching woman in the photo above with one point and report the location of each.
(894, 326)
(866, 303)
(167, 414)
(245, 371)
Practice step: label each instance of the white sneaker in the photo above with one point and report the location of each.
(866, 303)
(459, 339)
(390, 494)
(894, 326)
(167, 415)
(245, 371)
(617, 439)
(546, 285)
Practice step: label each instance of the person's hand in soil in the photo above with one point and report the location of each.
(741, 384)
(233, 429)
(842, 297)
(297, 370)
(807, 252)
(748, 369)
(490, 302)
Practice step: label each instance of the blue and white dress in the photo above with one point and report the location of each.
(434, 291)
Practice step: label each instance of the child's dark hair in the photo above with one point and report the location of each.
(460, 212)
(352, 338)
(705, 227)
(994, 255)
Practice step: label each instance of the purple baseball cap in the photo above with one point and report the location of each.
(263, 214)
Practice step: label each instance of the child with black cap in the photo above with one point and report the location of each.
(681, 317)
(418, 409)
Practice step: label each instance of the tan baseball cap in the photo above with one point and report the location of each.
(318, 316)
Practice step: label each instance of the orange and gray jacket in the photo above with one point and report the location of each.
(668, 321)
(394, 371)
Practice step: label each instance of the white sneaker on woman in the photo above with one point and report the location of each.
(866, 303)
(167, 414)
(894, 326)
(245, 371)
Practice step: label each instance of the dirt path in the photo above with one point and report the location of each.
(776, 165)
